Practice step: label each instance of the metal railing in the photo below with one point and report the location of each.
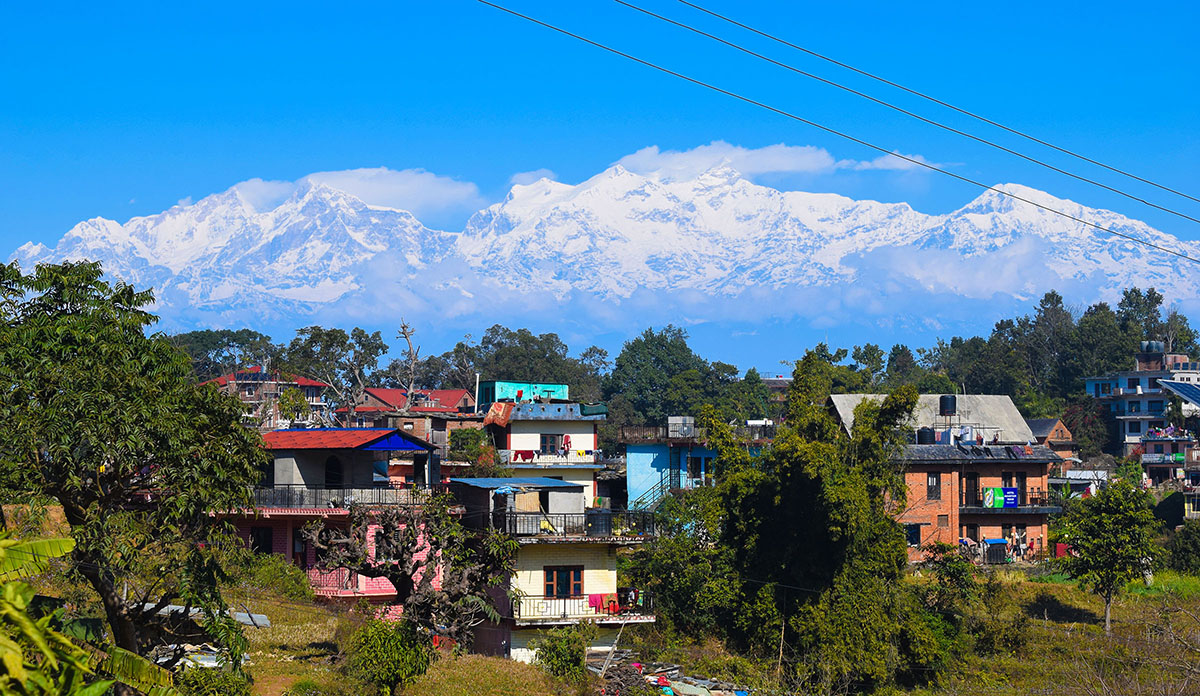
(591, 523)
(301, 496)
(655, 433)
(336, 580)
(1027, 497)
(624, 603)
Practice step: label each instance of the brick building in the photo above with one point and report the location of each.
(1054, 434)
(971, 475)
(259, 390)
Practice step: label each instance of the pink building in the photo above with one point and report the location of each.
(319, 474)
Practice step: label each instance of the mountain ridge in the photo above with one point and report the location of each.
(618, 234)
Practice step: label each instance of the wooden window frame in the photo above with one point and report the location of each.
(550, 580)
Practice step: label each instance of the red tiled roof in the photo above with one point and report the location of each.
(436, 400)
(256, 369)
(326, 438)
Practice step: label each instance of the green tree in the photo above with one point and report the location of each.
(293, 405)
(222, 351)
(563, 651)
(1112, 538)
(103, 418)
(1140, 313)
(387, 654)
(869, 359)
(1183, 548)
(346, 362)
(901, 365)
(646, 364)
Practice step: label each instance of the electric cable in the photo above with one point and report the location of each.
(838, 133)
(906, 112)
(939, 102)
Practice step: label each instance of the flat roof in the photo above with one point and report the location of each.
(536, 483)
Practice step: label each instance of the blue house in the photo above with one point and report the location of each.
(659, 460)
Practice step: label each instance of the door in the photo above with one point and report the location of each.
(971, 490)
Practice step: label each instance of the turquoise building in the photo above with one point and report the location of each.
(502, 390)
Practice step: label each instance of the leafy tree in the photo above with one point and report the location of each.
(72, 344)
(1140, 313)
(1112, 539)
(293, 405)
(646, 363)
(411, 546)
(346, 362)
(222, 351)
(869, 359)
(471, 445)
(901, 364)
(1091, 424)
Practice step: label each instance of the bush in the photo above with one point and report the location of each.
(563, 651)
(308, 687)
(1183, 548)
(271, 571)
(197, 681)
(387, 654)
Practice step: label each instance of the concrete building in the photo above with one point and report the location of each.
(318, 474)
(259, 390)
(675, 457)
(1135, 398)
(971, 475)
(496, 391)
(566, 568)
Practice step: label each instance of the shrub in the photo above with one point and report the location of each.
(271, 571)
(308, 687)
(563, 651)
(1183, 548)
(197, 681)
(387, 654)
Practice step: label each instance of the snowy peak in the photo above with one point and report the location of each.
(711, 237)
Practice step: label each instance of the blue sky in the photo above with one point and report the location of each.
(123, 111)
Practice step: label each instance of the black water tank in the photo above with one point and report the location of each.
(948, 405)
(926, 436)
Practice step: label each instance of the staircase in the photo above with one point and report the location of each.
(651, 499)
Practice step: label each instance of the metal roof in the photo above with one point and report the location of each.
(554, 412)
(978, 453)
(990, 411)
(1041, 427)
(537, 483)
(1187, 391)
(371, 439)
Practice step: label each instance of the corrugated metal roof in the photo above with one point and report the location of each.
(1041, 427)
(517, 482)
(343, 438)
(977, 453)
(553, 412)
(981, 410)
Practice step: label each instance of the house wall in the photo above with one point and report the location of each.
(526, 434)
(307, 467)
(992, 527)
(645, 464)
(520, 638)
(937, 517)
(599, 563)
(584, 477)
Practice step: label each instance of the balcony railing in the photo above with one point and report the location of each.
(591, 523)
(1027, 497)
(300, 496)
(625, 603)
(537, 458)
(657, 433)
(332, 581)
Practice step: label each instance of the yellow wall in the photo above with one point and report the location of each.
(526, 435)
(599, 563)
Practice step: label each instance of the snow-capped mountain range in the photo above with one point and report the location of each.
(703, 247)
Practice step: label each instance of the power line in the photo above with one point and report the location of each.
(904, 111)
(833, 131)
(937, 101)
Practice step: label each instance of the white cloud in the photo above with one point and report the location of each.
(526, 178)
(892, 163)
(263, 195)
(420, 192)
(184, 202)
(772, 159)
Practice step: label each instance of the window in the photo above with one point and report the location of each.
(1135, 407)
(564, 581)
(1134, 427)
(1132, 382)
(912, 532)
(933, 486)
(551, 444)
(250, 390)
(333, 473)
(261, 539)
(1158, 449)
(971, 531)
(1105, 388)
(408, 426)
(1152, 382)
(1154, 406)
(944, 521)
